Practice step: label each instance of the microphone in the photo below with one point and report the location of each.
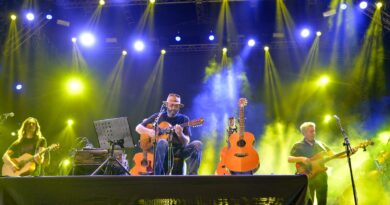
(10, 114)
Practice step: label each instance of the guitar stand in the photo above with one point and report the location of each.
(109, 163)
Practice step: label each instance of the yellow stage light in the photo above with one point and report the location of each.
(75, 86)
(318, 33)
(266, 48)
(384, 137)
(163, 52)
(152, 1)
(74, 40)
(13, 17)
(102, 2)
(124, 52)
(327, 118)
(70, 122)
(379, 5)
(323, 81)
(224, 50)
(13, 133)
(66, 162)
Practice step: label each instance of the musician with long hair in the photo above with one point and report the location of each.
(31, 141)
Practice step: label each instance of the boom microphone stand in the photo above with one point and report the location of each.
(156, 131)
(348, 150)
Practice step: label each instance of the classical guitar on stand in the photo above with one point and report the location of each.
(317, 162)
(241, 156)
(25, 163)
(164, 129)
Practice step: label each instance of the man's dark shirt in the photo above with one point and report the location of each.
(178, 119)
(304, 149)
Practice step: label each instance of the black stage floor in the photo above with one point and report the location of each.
(258, 189)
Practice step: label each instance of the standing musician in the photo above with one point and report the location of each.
(182, 147)
(301, 153)
(31, 141)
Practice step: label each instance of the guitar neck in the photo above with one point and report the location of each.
(242, 123)
(39, 153)
(335, 156)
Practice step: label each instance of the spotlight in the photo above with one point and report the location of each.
(305, 33)
(124, 52)
(49, 17)
(379, 5)
(251, 42)
(30, 16)
(324, 80)
(74, 39)
(343, 6)
(152, 1)
(139, 45)
(13, 17)
(18, 86)
(87, 39)
(363, 5)
(102, 2)
(318, 33)
(224, 50)
(178, 38)
(327, 118)
(13, 133)
(66, 162)
(70, 122)
(266, 48)
(75, 86)
(211, 37)
(163, 52)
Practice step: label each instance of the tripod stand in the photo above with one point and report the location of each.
(110, 162)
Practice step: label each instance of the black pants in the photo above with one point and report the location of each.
(319, 186)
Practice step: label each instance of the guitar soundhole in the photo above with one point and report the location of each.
(241, 143)
(144, 163)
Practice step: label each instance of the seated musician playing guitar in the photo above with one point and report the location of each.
(30, 141)
(305, 154)
(182, 147)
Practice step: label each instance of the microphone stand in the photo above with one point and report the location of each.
(155, 126)
(348, 151)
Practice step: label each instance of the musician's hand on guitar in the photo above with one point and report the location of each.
(179, 130)
(38, 159)
(305, 160)
(15, 167)
(151, 133)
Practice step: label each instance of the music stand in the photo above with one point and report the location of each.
(111, 133)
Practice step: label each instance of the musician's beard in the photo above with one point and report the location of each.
(172, 112)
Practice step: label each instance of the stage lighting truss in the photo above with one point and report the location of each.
(108, 3)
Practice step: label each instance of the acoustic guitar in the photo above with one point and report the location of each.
(143, 164)
(317, 162)
(25, 163)
(241, 156)
(221, 167)
(164, 129)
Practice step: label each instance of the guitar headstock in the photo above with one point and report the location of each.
(242, 102)
(365, 144)
(53, 146)
(196, 122)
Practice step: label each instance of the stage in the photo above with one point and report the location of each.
(259, 189)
